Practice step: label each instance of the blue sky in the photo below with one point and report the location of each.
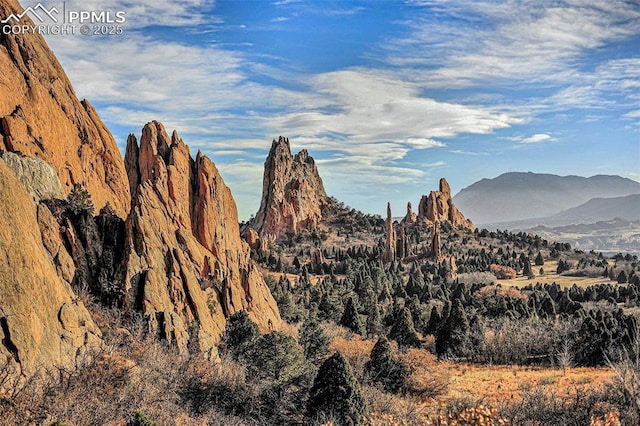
(388, 96)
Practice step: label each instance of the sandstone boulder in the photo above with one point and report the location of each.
(37, 176)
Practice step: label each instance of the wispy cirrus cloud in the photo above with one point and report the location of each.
(489, 42)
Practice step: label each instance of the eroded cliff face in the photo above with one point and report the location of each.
(292, 193)
(178, 257)
(438, 207)
(186, 266)
(42, 322)
(40, 116)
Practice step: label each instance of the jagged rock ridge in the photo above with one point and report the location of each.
(438, 207)
(292, 193)
(187, 267)
(40, 116)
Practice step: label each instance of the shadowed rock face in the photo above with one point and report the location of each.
(438, 207)
(40, 116)
(42, 324)
(187, 267)
(292, 193)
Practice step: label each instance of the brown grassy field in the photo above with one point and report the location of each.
(460, 385)
(497, 385)
(550, 276)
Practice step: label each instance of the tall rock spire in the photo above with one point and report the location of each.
(292, 193)
(390, 242)
(186, 263)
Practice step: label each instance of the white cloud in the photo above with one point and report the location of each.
(537, 138)
(365, 106)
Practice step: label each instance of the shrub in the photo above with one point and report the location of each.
(79, 201)
(140, 419)
(275, 356)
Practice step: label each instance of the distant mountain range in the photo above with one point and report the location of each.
(516, 197)
(600, 213)
(610, 236)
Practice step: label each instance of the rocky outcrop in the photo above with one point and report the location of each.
(37, 176)
(40, 116)
(435, 240)
(438, 207)
(410, 217)
(252, 238)
(390, 238)
(186, 266)
(292, 193)
(402, 243)
(42, 323)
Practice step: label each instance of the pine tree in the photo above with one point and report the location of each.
(79, 201)
(526, 268)
(539, 260)
(434, 322)
(275, 356)
(453, 338)
(314, 341)
(374, 321)
(622, 277)
(351, 318)
(336, 392)
(240, 333)
(403, 330)
(384, 368)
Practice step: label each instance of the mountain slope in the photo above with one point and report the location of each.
(598, 209)
(518, 196)
(41, 116)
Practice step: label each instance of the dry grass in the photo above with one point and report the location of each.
(459, 386)
(550, 276)
(497, 385)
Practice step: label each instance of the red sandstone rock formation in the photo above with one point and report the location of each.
(186, 263)
(410, 217)
(40, 116)
(438, 206)
(292, 193)
(42, 323)
(390, 242)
